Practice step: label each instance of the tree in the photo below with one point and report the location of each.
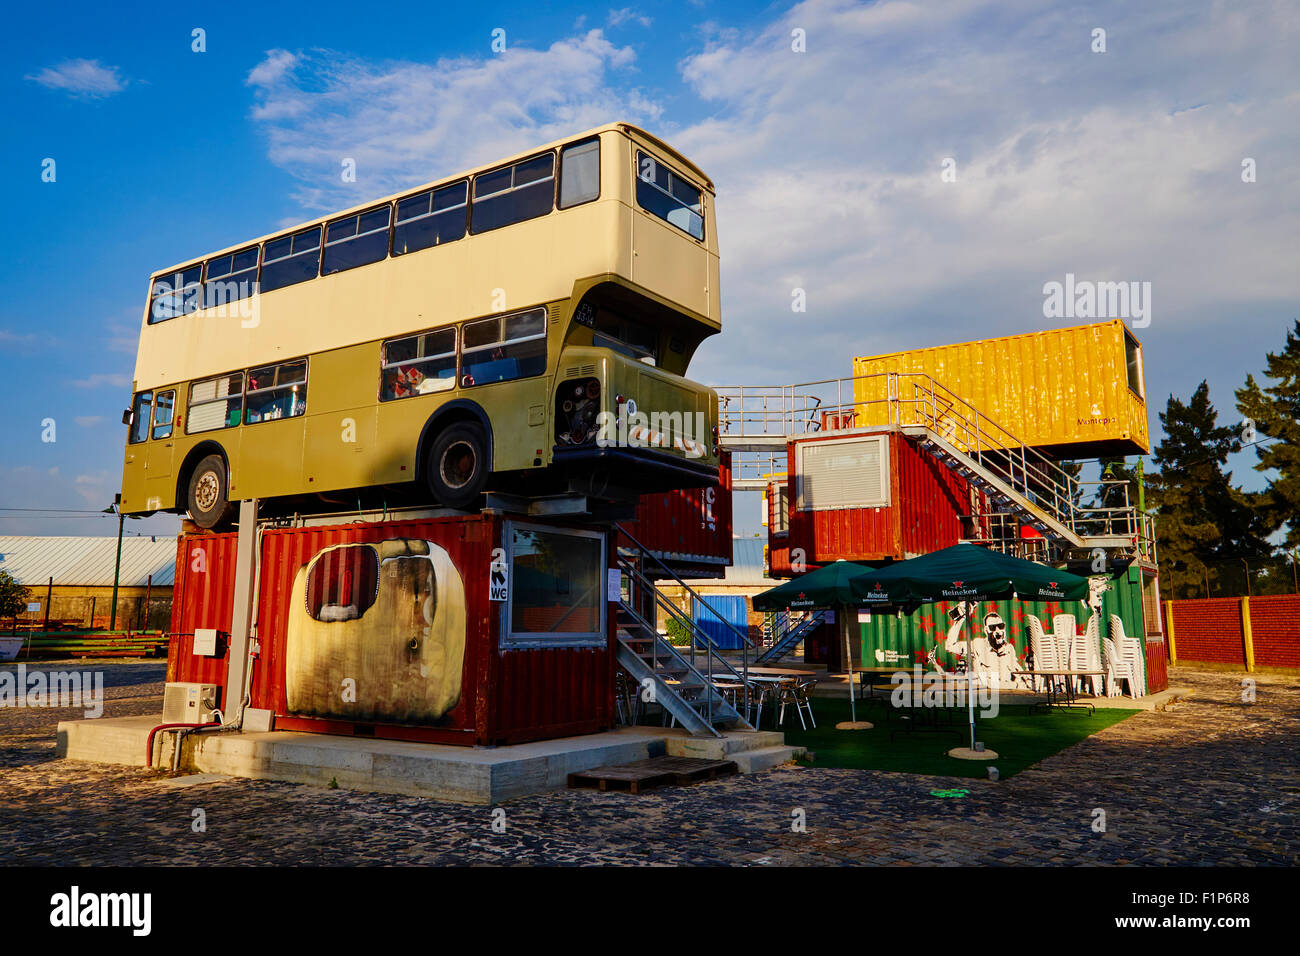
(13, 596)
(1273, 412)
(1203, 522)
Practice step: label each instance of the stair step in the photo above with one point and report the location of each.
(754, 761)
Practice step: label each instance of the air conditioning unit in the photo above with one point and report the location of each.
(190, 703)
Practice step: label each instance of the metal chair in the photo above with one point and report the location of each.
(797, 693)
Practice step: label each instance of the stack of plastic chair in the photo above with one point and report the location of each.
(1115, 667)
(1130, 651)
(1043, 648)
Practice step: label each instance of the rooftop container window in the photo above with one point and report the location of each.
(1133, 360)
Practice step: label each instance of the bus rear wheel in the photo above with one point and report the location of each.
(208, 498)
(458, 465)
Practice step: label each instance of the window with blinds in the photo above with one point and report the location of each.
(850, 473)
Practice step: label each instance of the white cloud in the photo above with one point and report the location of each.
(88, 78)
(101, 379)
(405, 123)
(828, 169)
(628, 15)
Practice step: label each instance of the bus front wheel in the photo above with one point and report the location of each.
(208, 499)
(458, 465)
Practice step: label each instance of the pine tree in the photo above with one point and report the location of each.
(1204, 524)
(1273, 412)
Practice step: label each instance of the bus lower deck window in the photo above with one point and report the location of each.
(215, 403)
(140, 410)
(419, 364)
(276, 391)
(503, 348)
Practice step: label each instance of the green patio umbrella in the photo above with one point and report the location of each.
(966, 572)
(827, 587)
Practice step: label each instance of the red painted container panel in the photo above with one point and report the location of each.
(505, 695)
(925, 513)
(1157, 658)
(689, 527)
(201, 598)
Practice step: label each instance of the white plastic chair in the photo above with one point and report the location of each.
(1088, 653)
(1130, 652)
(1043, 646)
(1115, 667)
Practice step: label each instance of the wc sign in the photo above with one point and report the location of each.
(498, 576)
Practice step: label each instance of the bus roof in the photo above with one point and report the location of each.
(628, 128)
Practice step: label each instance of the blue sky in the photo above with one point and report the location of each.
(1122, 165)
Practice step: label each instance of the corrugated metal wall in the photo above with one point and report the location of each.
(506, 695)
(201, 598)
(1055, 388)
(731, 608)
(682, 527)
(890, 640)
(927, 502)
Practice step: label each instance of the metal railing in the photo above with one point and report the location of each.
(918, 399)
(699, 639)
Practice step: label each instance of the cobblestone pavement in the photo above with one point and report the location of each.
(1212, 781)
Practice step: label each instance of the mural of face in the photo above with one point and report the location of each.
(376, 632)
(995, 630)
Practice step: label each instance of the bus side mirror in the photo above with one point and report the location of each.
(127, 417)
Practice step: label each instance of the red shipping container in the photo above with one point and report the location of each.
(688, 529)
(869, 496)
(388, 629)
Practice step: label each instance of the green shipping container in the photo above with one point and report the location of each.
(894, 641)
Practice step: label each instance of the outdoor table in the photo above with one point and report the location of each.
(1055, 697)
(917, 715)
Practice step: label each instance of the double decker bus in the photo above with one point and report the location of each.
(525, 326)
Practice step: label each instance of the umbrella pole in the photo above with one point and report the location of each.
(848, 659)
(970, 680)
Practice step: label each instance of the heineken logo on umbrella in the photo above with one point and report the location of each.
(876, 594)
(1052, 590)
(958, 590)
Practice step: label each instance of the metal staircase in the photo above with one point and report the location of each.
(786, 639)
(756, 422)
(681, 680)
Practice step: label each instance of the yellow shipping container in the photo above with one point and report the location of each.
(1074, 393)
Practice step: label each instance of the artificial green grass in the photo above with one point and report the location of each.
(1020, 739)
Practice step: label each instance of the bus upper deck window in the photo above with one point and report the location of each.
(290, 259)
(579, 173)
(431, 218)
(230, 278)
(356, 241)
(176, 294)
(662, 193)
(525, 190)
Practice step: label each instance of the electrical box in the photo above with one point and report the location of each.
(205, 641)
(190, 703)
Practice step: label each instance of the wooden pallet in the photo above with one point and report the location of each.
(655, 772)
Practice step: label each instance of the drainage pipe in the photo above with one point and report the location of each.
(148, 754)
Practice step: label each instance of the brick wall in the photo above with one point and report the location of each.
(1209, 630)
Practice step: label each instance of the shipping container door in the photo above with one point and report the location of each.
(734, 610)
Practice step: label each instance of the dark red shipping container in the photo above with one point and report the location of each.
(688, 529)
(346, 596)
(922, 505)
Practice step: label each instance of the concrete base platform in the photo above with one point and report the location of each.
(437, 771)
